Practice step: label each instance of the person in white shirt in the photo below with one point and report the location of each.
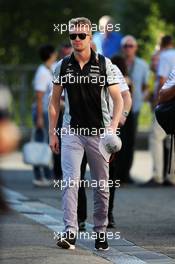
(42, 86)
(158, 135)
(167, 92)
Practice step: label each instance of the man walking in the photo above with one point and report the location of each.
(86, 111)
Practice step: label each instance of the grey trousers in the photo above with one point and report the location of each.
(72, 151)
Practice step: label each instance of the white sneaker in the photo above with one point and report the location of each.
(47, 183)
(38, 183)
(158, 179)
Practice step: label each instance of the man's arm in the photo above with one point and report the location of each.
(39, 117)
(146, 92)
(145, 86)
(163, 71)
(115, 94)
(40, 87)
(126, 95)
(54, 110)
(155, 99)
(166, 95)
(161, 81)
(127, 103)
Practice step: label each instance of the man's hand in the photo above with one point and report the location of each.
(127, 103)
(40, 119)
(122, 120)
(62, 105)
(54, 143)
(40, 122)
(116, 96)
(166, 95)
(111, 128)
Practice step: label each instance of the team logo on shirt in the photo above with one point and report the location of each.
(94, 70)
(69, 70)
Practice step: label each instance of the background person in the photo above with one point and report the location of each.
(114, 166)
(9, 137)
(82, 201)
(138, 72)
(65, 50)
(107, 41)
(158, 135)
(166, 94)
(42, 84)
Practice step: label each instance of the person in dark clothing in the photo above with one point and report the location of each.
(113, 168)
(82, 200)
(138, 72)
(65, 50)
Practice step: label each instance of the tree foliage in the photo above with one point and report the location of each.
(25, 25)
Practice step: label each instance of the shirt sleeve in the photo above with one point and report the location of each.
(112, 77)
(121, 79)
(41, 81)
(170, 81)
(56, 75)
(163, 67)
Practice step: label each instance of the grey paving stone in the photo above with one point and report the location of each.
(121, 251)
(119, 258)
(163, 261)
(130, 249)
(148, 255)
(120, 242)
(21, 208)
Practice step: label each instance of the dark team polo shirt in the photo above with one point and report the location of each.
(86, 93)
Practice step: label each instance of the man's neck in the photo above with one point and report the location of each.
(169, 47)
(82, 56)
(48, 64)
(130, 59)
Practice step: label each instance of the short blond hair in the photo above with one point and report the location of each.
(78, 21)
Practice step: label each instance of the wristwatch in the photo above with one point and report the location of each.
(125, 113)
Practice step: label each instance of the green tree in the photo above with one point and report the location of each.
(155, 28)
(25, 25)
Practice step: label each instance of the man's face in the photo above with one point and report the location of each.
(82, 41)
(65, 51)
(129, 48)
(53, 57)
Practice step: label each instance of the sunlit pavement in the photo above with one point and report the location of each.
(144, 217)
